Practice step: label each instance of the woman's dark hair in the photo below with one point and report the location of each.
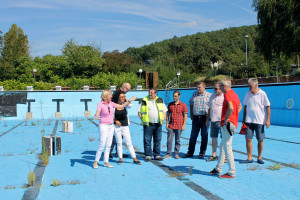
(120, 94)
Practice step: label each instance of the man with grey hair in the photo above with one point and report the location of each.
(256, 102)
(229, 121)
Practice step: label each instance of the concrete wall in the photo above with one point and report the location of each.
(43, 104)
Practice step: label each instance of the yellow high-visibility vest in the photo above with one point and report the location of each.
(144, 109)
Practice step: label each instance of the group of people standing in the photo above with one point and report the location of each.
(220, 111)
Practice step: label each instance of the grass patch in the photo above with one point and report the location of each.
(275, 167)
(10, 187)
(56, 182)
(253, 167)
(293, 165)
(44, 156)
(175, 174)
(31, 178)
(74, 182)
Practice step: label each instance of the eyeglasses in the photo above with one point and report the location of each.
(216, 88)
(175, 96)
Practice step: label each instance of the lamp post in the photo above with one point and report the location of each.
(140, 71)
(246, 36)
(34, 72)
(178, 74)
(215, 67)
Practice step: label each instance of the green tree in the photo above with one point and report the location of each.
(85, 61)
(278, 27)
(117, 62)
(14, 45)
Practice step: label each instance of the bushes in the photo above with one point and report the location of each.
(101, 80)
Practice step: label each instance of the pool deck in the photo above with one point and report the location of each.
(189, 178)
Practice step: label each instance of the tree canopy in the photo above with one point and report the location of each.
(278, 27)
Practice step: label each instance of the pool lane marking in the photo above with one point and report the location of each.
(55, 128)
(39, 170)
(11, 129)
(192, 185)
(240, 152)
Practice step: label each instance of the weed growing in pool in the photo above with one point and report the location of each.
(293, 165)
(44, 156)
(275, 167)
(33, 124)
(91, 139)
(56, 182)
(253, 167)
(31, 178)
(10, 187)
(78, 124)
(175, 174)
(74, 182)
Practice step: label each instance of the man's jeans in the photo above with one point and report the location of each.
(197, 124)
(226, 150)
(153, 130)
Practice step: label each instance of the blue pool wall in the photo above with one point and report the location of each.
(72, 107)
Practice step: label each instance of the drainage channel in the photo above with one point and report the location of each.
(11, 129)
(192, 185)
(39, 170)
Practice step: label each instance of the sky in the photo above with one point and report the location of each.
(118, 24)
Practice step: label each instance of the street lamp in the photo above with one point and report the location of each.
(178, 74)
(140, 71)
(215, 67)
(246, 36)
(34, 72)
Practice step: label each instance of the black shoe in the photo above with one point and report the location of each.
(117, 155)
(214, 172)
(110, 155)
(137, 162)
(187, 156)
(201, 156)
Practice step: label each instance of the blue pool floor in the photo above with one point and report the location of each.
(189, 178)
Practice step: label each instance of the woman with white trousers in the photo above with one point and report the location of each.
(105, 110)
(122, 123)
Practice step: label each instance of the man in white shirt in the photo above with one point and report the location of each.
(152, 112)
(256, 102)
(214, 115)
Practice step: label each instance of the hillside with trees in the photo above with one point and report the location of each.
(272, 47)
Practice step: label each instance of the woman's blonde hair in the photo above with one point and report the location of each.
(104, 94)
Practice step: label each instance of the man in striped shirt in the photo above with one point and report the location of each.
(199, 110)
